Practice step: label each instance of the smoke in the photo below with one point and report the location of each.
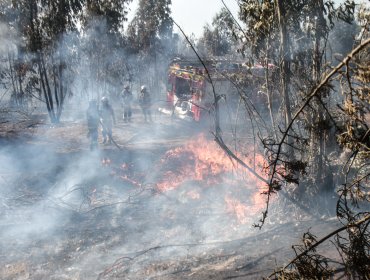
(66, 211)
(8, 40)
(88, 211)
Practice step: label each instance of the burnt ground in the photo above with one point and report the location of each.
(69, 213)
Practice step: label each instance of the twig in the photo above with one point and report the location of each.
(232, 16)
(351, 225)
(314, 92)
(217, 134)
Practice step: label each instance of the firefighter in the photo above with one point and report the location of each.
(92, 116)
(107, 119)
(126, 103)
(145, 103)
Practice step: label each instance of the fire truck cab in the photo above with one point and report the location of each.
(188, 88)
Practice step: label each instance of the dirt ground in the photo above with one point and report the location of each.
(69, 213)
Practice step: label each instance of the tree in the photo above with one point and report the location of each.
(328, 104)
(150, 39)
(299, 30)
(104, 63)
(151, 28)
(112, 11)
(41, 25)
(219, 38)
(49, 47)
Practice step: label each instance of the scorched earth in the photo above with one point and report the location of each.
(167, 204)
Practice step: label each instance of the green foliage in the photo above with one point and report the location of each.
(219, 39)
(151, 28)
(112, 11)
(327, 105)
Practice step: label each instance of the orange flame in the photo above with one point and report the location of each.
(204, 161)
(199, 160)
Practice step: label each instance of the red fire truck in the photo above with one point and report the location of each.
(189, 91)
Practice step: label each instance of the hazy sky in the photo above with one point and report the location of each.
(192, 15)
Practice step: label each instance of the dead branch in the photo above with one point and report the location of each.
(313, 94)
(217, 134)
(313, 246)
(221, 143)
(235, 21)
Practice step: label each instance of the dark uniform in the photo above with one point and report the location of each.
(145, 103)
(107, 119)
(126, 103)
(92, 116)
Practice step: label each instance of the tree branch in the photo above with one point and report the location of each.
(351, 225)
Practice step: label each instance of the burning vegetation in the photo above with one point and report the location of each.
(130, 150)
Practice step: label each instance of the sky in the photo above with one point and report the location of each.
(192, 15)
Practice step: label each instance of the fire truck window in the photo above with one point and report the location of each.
(182, 88)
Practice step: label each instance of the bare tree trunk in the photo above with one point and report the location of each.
(12, 78)
(61, 90)
(268, 92)
(20, 96)
(46, 89)
(55, 84)
(284, 66)
(318, 136)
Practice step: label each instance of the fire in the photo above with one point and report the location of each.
(202, 161)
(198, 160)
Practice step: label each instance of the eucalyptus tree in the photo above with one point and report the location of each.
(294, 35)
(41, 25)
(53, 20)
(151, 27)
(329, 123)
(104, 61)
(151, 41)
(14, 24)
(51, 38)
(219, 38)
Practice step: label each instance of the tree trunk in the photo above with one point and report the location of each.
(284, 68)
(268, 92)
(12, 78)
(46, 89)
(61, 90)
(318, 135)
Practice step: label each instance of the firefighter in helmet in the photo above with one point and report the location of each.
(145, 103)
(92, 116)
(107, 119)
(126, 103)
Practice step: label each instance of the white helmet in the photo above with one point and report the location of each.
(104, 99)
(143, 88)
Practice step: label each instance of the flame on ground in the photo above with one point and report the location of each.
(202, 161)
